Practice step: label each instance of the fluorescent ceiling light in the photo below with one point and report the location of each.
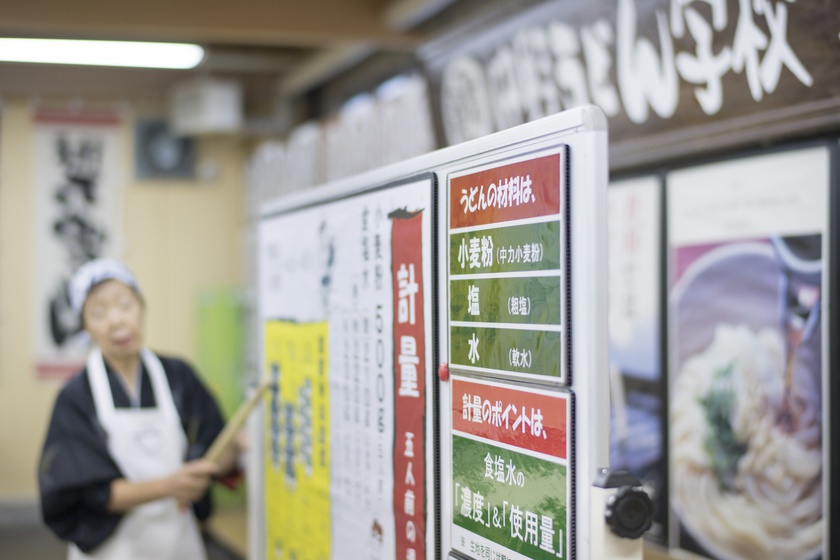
(101, 53)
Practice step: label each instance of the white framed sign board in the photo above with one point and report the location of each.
(438, 332)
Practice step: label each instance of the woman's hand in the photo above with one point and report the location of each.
(186, 485)
(191, 481)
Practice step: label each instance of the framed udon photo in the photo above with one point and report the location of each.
(748, 255)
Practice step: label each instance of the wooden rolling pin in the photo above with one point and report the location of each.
(236, 422)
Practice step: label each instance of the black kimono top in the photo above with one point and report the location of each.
(76, 469)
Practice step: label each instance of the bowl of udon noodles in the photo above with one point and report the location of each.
(746, 461)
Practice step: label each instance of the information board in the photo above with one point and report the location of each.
(497, 455)
(506, 269)
(508, 325)
(523, 416)
(511, 478)
(346, 293)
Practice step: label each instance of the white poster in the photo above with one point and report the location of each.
(748, 297)
(77, 183)
(345, 300)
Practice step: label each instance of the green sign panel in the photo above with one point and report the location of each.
(507, 271)
(506, 249)
(514, 500)
(516, 350)
(506, 300)
(507, 288)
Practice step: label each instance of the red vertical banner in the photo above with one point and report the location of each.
(409, 385)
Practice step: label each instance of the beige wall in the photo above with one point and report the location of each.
(179, 237)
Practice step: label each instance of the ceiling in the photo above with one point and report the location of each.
(276, 48)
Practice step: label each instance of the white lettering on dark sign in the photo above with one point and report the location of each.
(550, 67)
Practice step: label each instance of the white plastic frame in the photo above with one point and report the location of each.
(584, 131)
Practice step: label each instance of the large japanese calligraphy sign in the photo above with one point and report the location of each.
(671, 75)
(511, 473)
(345, 300)
(507, 283)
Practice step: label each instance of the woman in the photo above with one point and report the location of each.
(121, 474)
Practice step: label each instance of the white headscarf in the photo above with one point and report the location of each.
(92, 273)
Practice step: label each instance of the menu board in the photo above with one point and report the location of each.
(747, 244)
(511, 448)
(507, 277)
(346, 305)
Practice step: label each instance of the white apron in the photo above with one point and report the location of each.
(146, 443)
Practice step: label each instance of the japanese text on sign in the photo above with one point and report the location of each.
(511, 191)
(510, 416)
(526, 247)
(409, 399)
(510, 485)
(527, 351)
(531, 188)
(539, 530)
(490, 247)
(407, 290)
(546, 68)
(499, 413)
(478, 252)
(408, 361)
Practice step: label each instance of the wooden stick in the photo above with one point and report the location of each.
(236, 422)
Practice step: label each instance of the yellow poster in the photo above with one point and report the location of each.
(297, 457)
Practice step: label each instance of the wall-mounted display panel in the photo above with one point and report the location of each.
(531, 359)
